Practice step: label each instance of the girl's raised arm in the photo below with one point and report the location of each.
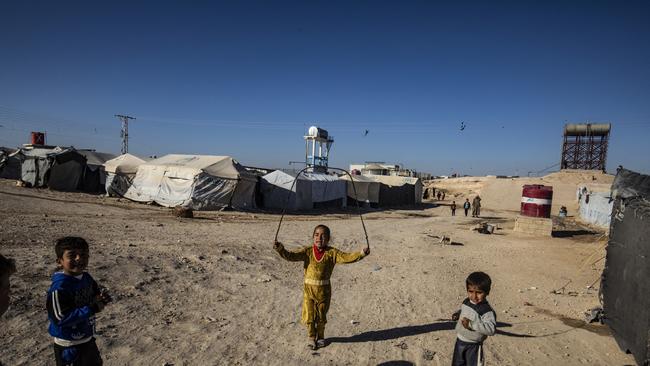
(299, 256)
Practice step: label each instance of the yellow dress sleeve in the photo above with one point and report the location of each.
(298, 256)
(343, 257)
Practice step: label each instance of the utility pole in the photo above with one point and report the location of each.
(125, 132)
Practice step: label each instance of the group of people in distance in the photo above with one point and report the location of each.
(74, 298)
(475, 206)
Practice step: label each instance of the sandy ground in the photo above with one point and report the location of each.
(211, 291)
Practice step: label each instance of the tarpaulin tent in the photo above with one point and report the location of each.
(120, 172)
(398, 191)
(367, 189)
(10, 162)
(596, 208)
(94, 176)
(36, 165)
(626, 278)
(310, 191)
(66, 171)
(199, 182)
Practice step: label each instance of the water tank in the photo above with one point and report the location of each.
(317, 132)
(585, 129)
(38, 138)
(536, 200)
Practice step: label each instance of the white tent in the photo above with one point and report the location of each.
(398, 191)
(310, 191)
(120, 172)
(199, 182)
(367, 189)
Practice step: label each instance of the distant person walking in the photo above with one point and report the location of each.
(476, 206)
(453, 208)
(466, 206)
(439, 195)
(443, 196)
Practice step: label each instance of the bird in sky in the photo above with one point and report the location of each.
(462, 126)
(365, 133)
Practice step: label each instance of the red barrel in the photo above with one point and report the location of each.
(38, 138)
(536, 200)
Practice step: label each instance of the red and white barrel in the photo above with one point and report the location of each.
(536, 200)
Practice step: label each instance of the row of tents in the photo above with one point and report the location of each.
(59, 168)
(201, 182)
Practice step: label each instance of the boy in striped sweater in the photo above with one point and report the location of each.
(476, 321)
(72, 302)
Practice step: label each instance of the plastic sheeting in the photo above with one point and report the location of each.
(626, 277)
(596, 208)
(33, 170)
(67, 171)
(310, 190)
(367, 189)
(36, 165)
(188, 181)
(398, 191)
(66, 175)
(629, 184)
(118, 184)
(10, 162)
(120, 172)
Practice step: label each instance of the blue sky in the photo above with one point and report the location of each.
(247, 78)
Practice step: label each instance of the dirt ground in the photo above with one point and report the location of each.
(211, 291)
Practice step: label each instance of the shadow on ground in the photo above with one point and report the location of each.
(571, 233)
(411, 330)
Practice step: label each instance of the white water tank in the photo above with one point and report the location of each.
(317, 132)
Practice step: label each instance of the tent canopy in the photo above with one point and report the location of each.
(367, 189)
(95, 158)
(200, 182)
(309, 190)
(120, 172)
(398, 191)
(123, 164)
(190, 165)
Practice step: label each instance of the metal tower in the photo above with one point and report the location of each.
(585, 146)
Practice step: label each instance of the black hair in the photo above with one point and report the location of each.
(68, 243)
(7, 266)
(325, 228)
(480, 280)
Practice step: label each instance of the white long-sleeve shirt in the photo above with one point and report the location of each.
(482, 320)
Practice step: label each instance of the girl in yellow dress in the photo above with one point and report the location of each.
(318, 262)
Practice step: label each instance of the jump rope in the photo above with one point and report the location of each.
(354, 188)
